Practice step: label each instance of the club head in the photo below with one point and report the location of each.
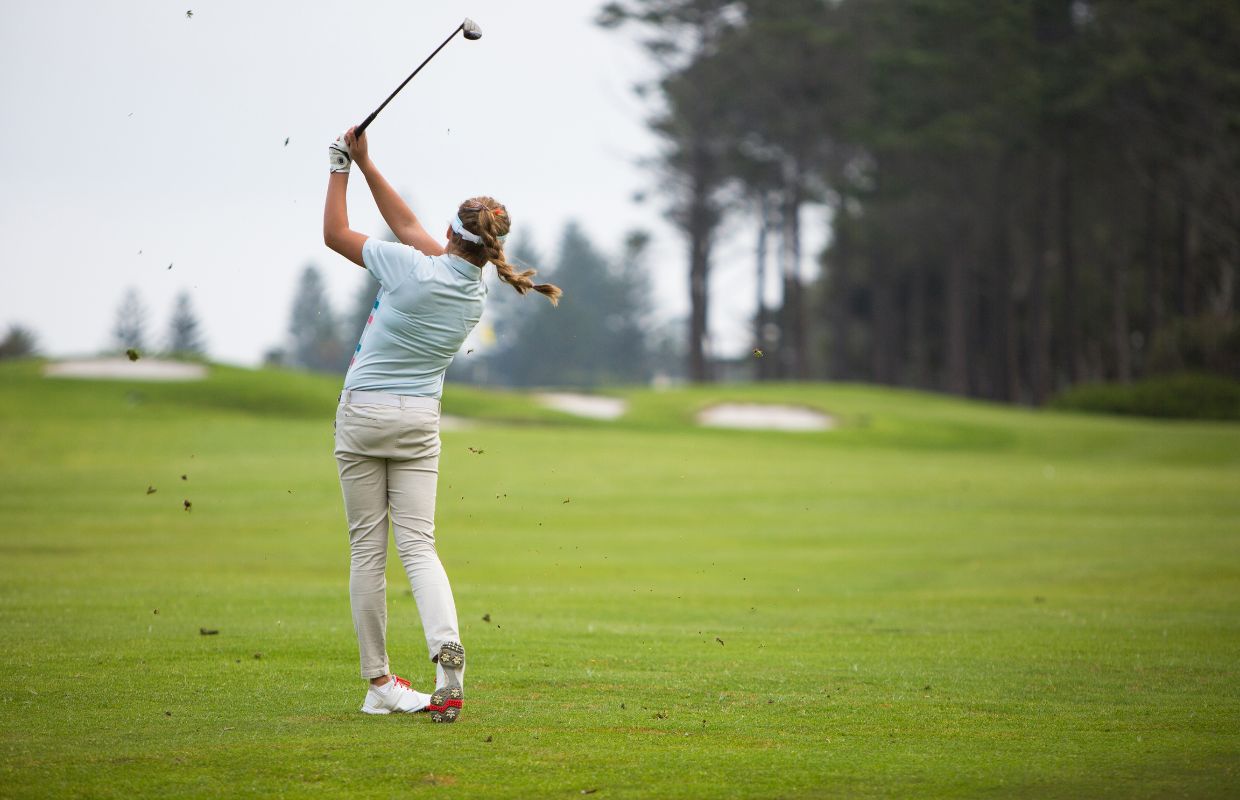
(471, 29)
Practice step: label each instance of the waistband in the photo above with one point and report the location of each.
(382, 399)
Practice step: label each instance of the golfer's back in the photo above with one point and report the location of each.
(426, 307)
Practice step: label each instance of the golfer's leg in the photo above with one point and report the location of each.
(411, 493)
(364, 481)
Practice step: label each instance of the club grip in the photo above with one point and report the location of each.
(365, 122)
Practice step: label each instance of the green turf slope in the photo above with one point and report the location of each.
(939, 598)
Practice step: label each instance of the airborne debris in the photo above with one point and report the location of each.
(487, 739)
(720, 641)
(757, 353)
(207, 631)
(189, 14)
(167, 713)
(188, 504)
(476, 452)
(133, 354)
(151, 490)
(170, 263)
(470, 350)
(184, 477)
(286, 138)
(486, 617)
(156, 611)
(566, 500)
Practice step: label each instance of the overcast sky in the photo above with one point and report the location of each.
(139, 138)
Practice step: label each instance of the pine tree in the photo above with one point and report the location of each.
(184, 336)
(129, 332)
(596, 336)
(354, 322)
(315, 342)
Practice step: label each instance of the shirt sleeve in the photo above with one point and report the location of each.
(392, 262)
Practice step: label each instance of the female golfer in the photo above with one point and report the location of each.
(387, 424)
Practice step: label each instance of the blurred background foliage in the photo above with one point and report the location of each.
(1023, 196)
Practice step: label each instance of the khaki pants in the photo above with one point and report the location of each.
(387, 453)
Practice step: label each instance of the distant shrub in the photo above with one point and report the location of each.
(1183, 396)
(18, 343)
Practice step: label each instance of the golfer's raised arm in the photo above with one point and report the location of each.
(396, 212)
(336, 231)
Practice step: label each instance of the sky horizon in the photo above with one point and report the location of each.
(158, 161)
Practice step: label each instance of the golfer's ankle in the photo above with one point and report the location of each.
(381, 680)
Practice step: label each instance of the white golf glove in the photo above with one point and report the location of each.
(339, 155)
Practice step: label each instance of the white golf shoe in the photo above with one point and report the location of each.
(394, 697)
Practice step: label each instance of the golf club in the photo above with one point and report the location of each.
(472, 32)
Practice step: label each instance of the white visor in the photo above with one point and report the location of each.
(459, 228)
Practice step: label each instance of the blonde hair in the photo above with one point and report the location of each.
(487, 218)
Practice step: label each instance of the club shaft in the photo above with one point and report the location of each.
(375, 113)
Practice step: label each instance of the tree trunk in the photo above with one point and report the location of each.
(700, 226)
(1119, 318)
(882, 317)
(1187, 301)
(1039, 374)
(762, 369)
(919, 357)
(957, 322)
(698, 266)
(1073, 342)
(840, 366)
(1006, 382)
(795, 343)
(1153, 268)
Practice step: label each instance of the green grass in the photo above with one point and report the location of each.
(940, 598)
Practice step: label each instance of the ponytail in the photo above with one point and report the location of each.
(489, 221)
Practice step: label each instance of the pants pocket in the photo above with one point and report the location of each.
(418, 435)
(360, 434)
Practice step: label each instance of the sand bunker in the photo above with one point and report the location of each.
(146, 369)
(448, 422)
(585, 405)
(753, 416)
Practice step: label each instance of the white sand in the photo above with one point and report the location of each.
(448, 422)
(144, 369)
(753, 416)
(585, 405)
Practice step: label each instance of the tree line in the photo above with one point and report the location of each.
(131, 329)
(603, 333)
(1021, 196)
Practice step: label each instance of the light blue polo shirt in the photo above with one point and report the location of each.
(426, 307)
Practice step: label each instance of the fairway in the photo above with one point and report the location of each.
(938, 598)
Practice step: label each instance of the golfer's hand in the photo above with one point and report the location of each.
(339, 156)
(358, 145)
